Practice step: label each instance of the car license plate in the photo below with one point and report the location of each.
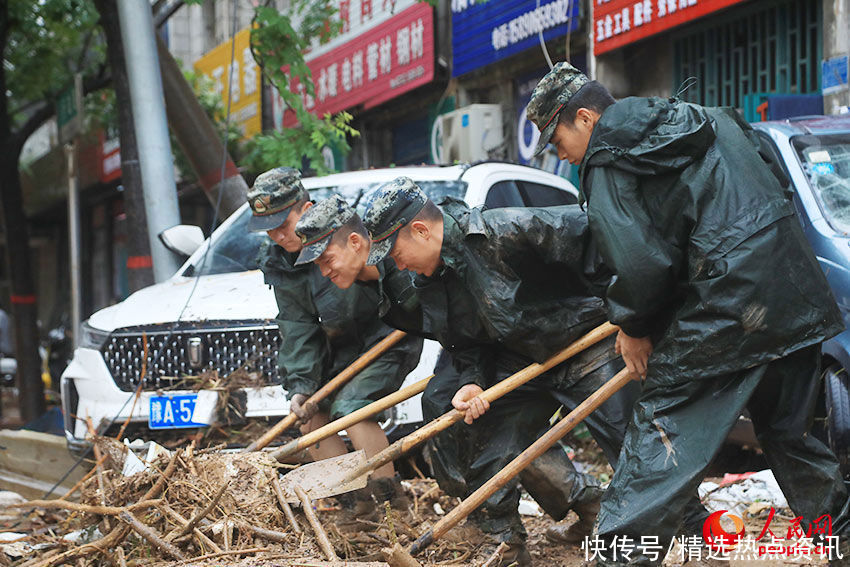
(172, 412)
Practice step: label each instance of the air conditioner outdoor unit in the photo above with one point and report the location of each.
(468, 133)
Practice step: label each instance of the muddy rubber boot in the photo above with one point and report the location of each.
(516, 553)
(581, 529)
(508, 529)
(389, 490)
(355, 506)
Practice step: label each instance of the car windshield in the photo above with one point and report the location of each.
(235, 249)
(359, 194)
(826, 161)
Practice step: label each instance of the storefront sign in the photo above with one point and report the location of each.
(485, 32)
(527, 132)
(619, 22)
(245, 94)
(386, 60)
(110, 157)
(834, 74)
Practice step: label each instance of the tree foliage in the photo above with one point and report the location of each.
(278, 44)
(48, 41)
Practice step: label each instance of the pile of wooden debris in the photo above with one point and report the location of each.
(210, 507)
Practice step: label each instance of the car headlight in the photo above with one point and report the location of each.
(91, 337)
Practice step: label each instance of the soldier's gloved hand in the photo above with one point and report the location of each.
(466, 400)
(303, 409)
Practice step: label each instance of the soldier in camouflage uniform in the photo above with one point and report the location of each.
(333, 236)
(502, 289)
(323, 330)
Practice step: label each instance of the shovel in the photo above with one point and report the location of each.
(365, 360)
(348, 472)
(513, 468)
(328, 477)
(354, 417)
(324, 478)
(491, 394)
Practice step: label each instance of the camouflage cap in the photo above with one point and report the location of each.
(273, 194)
(317, 226)
(392, 206)
(550, 96)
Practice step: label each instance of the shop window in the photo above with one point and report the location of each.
(772, 47)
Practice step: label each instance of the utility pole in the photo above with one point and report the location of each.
(139, 263)
(591, 44)
(151, 128)
(70, 119)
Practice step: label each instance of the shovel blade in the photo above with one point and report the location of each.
(324, 478)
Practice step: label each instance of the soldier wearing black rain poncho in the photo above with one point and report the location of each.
(721, 302)
(501, 289)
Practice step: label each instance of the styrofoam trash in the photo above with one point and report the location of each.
(7, 498)
(17, 548)
(528, 506)
(737, 497)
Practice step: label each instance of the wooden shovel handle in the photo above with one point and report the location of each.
(354, 417)
(513, 468)
(365, 360)
(491, 394)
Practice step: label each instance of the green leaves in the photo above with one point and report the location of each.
(48, 41)
(278, 42)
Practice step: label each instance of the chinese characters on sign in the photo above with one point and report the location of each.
(485, 32)
(620, 22)
(390, 59)
(531, 23)
(110, 158)
(245, 93)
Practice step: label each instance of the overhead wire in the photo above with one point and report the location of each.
(569, 34)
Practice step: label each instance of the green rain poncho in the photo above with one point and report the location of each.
(697, 232)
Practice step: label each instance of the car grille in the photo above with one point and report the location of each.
(173, 355)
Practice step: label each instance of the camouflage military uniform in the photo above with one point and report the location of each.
(323, 328)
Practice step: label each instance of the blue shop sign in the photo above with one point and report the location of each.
(485, 32)
(834, 74)
(527, 133)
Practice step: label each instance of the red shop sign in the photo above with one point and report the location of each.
(390, 59)
(110, 158)
(619, 22)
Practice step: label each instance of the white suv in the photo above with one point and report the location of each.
(216, 313)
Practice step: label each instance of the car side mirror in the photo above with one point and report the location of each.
(182, 239)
